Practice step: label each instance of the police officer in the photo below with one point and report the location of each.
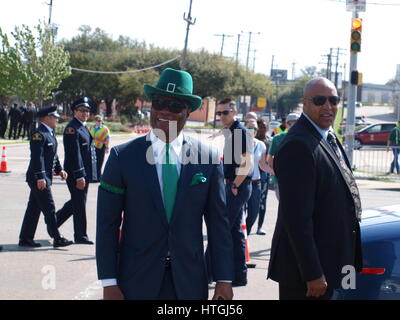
(39, 176)
(3, 120)
(80, 164)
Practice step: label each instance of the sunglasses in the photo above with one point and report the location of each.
(225, 113)
(173, 106)
(252, 129)
(321, 100)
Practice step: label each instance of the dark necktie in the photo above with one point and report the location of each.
(348, 175)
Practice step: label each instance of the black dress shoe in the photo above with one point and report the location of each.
(61, 242)
(29, 243)
(83, 240)
(239, 283)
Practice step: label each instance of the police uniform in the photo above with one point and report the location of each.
(79, 163)
(44, 161)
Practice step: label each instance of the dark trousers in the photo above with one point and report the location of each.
(76, 207)
(12, 133)
(235, 205)
(253, 206)
(263, 201)
(287, 293)
(100, 154)
(39, 201)
(3, 129)
(395, 162)
(167, 291)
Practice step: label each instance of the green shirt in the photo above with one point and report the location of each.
(273, 149)
(395, 136)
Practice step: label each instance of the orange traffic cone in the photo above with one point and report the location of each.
(247, 243)
(3, 166)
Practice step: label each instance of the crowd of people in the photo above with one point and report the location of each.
(19, 120)
(156, 190)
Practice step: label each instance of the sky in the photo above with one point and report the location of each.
(297, 33)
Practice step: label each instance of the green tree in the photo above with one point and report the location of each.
(33, 66)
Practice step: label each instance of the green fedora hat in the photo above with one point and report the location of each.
(177, 84)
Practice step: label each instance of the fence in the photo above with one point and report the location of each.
(375, 162)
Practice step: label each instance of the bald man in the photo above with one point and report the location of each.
(317, 233)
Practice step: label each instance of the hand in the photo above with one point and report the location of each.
(112, 293)
(223, 291)
(316, 288)
(234, 191)
(41, 185)
(63, 175)
(80, 184)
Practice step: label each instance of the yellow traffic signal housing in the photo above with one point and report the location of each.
(356, 29)
(356, 78)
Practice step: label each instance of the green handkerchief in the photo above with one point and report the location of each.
(198, 178)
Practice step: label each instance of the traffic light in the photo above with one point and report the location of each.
(356, 28)
(356, 78)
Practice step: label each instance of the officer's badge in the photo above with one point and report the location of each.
(70, 130)
(37, 137)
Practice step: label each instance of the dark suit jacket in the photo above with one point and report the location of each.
(130, 186)
(80, 156)
(317, 232)
(44, 158)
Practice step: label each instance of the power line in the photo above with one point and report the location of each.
(124, 72)
(370, 3)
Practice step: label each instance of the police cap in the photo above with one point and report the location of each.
(48, 111)
(81, 102)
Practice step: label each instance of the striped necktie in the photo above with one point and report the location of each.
(348, 175)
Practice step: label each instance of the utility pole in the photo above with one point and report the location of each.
(254, 60)
(50, 11)
(237, 48)
(293, 69)
(223, 41)
(248, 48)
(270, 75)
(351, 104)
(189, 22)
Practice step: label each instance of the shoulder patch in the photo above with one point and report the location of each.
(70, 130)
(37, 137)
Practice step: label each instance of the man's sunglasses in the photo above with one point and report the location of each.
(321, 100)
(225, 113)
(173, 106)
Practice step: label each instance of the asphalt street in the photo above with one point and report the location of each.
(70, 273)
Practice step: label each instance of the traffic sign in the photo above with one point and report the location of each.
(356, 5)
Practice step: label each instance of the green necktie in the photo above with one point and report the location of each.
(170, 179)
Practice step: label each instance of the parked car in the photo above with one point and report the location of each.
(358, 104)
(359, 121)
(374, 134)
(380, 237)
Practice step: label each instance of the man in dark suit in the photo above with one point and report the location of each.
(80, 164)
(15, 117)
(317, 231)
(3, 120)
(163, 184)
(44, 161)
